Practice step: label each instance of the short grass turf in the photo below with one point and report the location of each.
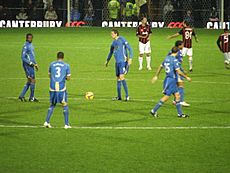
(164, 147)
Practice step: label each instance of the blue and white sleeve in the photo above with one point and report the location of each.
(25, 56)
(129, 48)
(68, 71)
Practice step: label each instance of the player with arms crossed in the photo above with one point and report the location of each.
(118, 48)
(171, 66)
(187, 32)
(59, 72)
(29, 63)
(144, 33)
(223, 43)
(180, 80)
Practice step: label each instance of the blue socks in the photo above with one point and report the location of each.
(119, 89)
(178, 107)
(158, 105)
(66, 114)
(49, 114)
(32, 88)
(125, 87)
(26, 87)
(181, 92)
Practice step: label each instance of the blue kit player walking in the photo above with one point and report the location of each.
(119, 48)
(59, 72)
(171, 66)
(29, 63)
(180, 79)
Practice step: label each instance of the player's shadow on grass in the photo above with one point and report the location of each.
(14, 122)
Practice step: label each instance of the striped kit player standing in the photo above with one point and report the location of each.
(143, 33)
(187, 32)
(223, 43)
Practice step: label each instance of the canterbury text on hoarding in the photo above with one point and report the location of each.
(29, 24)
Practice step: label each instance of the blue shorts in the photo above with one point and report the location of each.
(58, 97)
(29, 70)
(120, 68)
(170, 86)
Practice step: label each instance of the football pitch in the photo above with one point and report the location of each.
(113, 136)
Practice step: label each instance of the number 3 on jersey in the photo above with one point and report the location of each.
(58, 72)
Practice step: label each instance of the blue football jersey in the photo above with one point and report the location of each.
(28, 55)
(119, 48)
(179, 56)
(58, 71)
(170, 64)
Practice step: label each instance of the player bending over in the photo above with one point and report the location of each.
(118, 48)
(187, 32)
(223, 43)
(171, 66)
(144, 33)
(29, 63)
(180, 79)
(59, 72)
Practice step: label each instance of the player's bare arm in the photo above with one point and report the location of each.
(36, 67)
(173, 36)
(67, 78)
(184, 75)
(196, 38)
(154, 79)
(218, 44)
(141, 36)
(149, 36)
(129, 61)
(106, 63)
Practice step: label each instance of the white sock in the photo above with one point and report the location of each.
(190, 62)
(148, 60)
(140, 62)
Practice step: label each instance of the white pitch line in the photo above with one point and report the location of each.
(113, 79)
(121, 128)
(108, 99)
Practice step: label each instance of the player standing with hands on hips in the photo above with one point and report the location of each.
(144, 33)
(118, 48)
(29, 63)
(171, 66)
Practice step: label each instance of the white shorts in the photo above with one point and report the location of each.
(187, 51)
(227, 57)
(144, 48)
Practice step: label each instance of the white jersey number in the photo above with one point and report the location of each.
(225, 39)
(167, 68)
(58, 72)
(188, 35)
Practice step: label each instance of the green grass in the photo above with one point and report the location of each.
(112, 150)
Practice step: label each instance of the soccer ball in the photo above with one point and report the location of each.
(89, 95)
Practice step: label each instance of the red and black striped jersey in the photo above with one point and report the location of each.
(223, 42)
(187, 34)
(144, 31)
